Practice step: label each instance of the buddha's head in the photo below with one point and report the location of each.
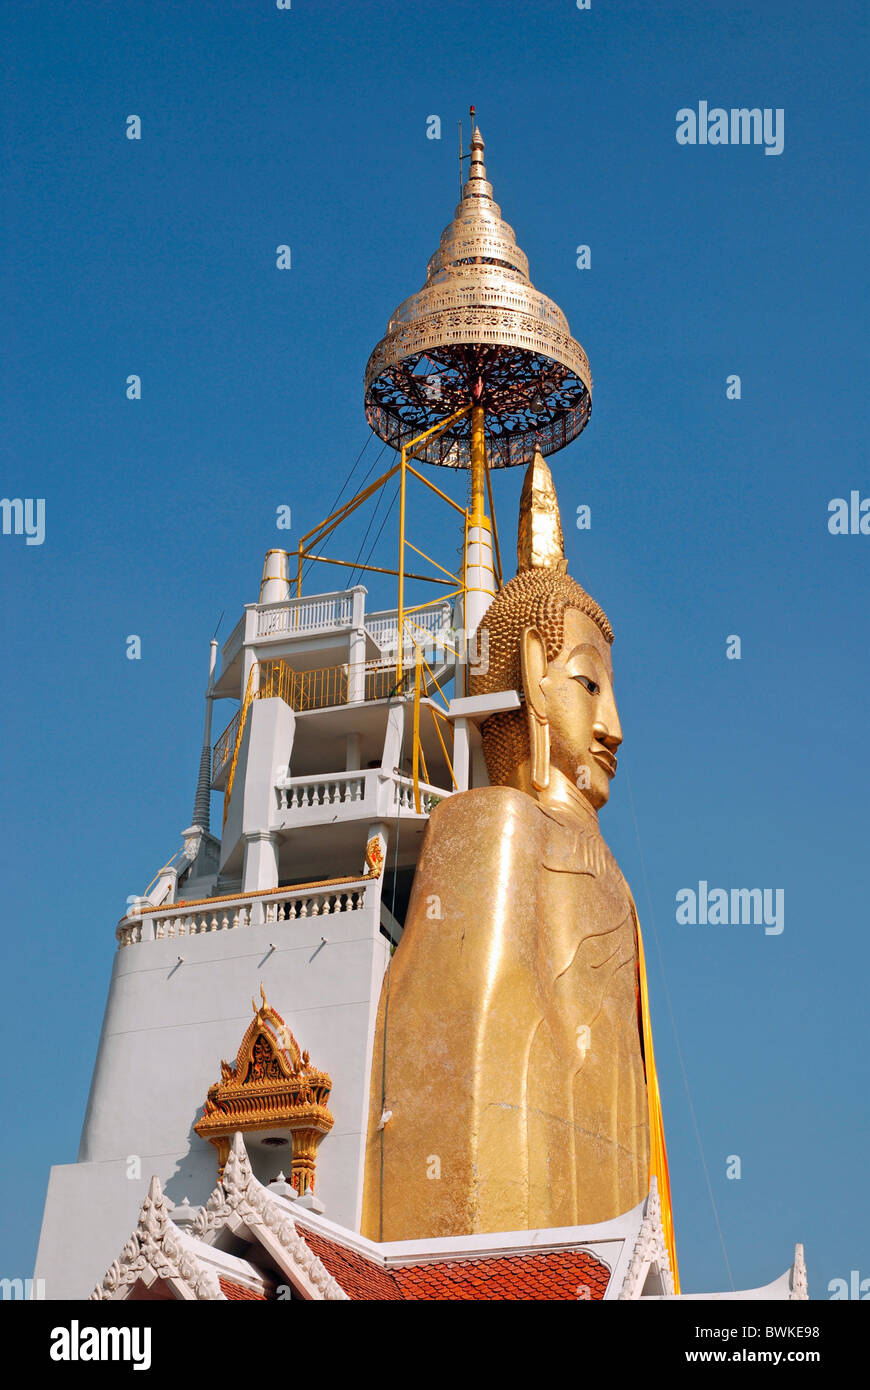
(552, 643)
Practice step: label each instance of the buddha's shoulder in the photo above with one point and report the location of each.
(494, 801)
(482, 811)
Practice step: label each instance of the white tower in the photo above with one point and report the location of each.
(304, 893)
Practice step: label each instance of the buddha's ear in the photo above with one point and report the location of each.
(533, 661)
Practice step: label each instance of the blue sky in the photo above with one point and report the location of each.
(709, 517)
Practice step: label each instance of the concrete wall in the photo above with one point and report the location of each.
(166, 1028)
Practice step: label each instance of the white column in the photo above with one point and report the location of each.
(275, 584)
(212, 663)
(261, 861)
(251, 625)
(460, 754)
(393, 739)
(479, 572)
(359, 592)
(480, 586)
(351, 761)
(356, 678)
(479, 771)
(271, 728)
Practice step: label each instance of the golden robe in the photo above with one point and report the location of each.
(508, 1042)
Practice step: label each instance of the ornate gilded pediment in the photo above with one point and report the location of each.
(271, 1085)
(267, 1049)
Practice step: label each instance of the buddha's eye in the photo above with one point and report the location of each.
(591, 686)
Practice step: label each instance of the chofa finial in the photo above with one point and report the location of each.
(540, 544)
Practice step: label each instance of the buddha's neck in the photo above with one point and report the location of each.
(560, 794)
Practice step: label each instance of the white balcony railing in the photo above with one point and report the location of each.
(340, 789)
(320, 613)
(246, 910)
(403, 795)
(430, 627)
(351, 796)
(333, 612)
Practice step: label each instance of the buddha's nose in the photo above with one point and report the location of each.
(610, 733)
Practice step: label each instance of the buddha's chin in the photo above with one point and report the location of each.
(595, 795)
(598, 792)
(597, 799)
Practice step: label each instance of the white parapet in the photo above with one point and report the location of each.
(248, 909)
(179, 1002)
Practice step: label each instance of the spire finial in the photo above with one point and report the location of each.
(475, 188)
(202, 799)
(478, 319)
(540, 544)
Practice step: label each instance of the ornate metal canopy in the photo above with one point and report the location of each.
(479, 330)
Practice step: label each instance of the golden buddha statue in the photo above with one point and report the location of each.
(509, 1047)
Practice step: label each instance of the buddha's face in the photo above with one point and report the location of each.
(580, 708)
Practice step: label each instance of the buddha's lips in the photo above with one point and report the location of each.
(606, 759)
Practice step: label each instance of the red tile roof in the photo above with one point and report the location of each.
(359, 1277)
(239, 1292)
(556, 1274)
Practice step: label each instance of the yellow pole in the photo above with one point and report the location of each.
(416, 748)
(499, 578)
(443, 745)
(658, 1151)
(476, 515)
(478, 461)
(401, 613)
(379, 569)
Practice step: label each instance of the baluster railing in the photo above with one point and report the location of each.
(321, 614)
(282, 905)
(304, 793)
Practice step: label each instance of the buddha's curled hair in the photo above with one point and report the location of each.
(537, 598)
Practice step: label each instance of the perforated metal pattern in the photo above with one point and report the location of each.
(478, 320)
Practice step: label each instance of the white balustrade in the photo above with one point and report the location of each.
(429, 627)
(284, 905)
(323, 613)
(319, 904)
(178, 922)
(349, 790)
(404, 795)
(300, 793)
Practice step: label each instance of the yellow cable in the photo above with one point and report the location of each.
(658, 1158)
